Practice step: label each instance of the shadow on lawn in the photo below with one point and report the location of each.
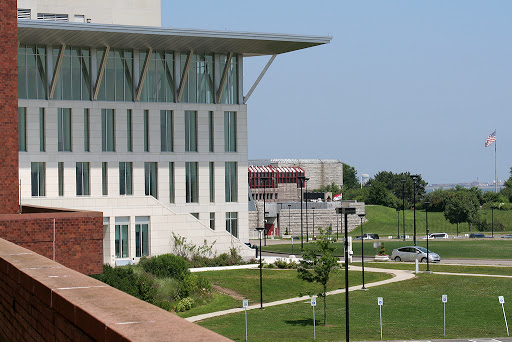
(302, 322)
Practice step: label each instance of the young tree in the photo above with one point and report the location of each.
(462, 206)
(313, 268)
(350, 180)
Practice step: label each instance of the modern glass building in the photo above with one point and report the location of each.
(145, 124)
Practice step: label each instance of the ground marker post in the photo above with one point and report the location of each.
(313, 304)
(444, 299)
(380, 302)
(245, 305)
(502, 302)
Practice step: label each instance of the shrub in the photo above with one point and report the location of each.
(184, 304)
(189, 285)
(166, 265)
(147, 287)
(169, 289)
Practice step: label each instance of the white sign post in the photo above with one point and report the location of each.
(313, 304)
(380, 301)
(444, 299)
(502, 302)
(245, 304)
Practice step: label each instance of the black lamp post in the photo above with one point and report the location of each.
(345, 211)
(457, 224)
(264, 179)
(313, 223)
(492, 220)
(398, 223)
(403, 206)
(260, 231)
(414, 179)
(362, 248)
(307, 221)
(302, 180)
(337, 228)
(428, 233)
(289, 225)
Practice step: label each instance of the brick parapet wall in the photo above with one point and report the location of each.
(9, 107)
(76, 241)
(41, 300)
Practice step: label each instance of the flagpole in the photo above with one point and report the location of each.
(495, 172)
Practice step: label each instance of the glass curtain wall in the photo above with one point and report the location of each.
(230, 131)
(150, 179)
(74, 81)
(191, 182)
(125, 178)
(230, 92)
(32, 72)
(231, 182)
(190, 131)
(159, 83)
(117, 82)
(38, 176)
(199, 87)
(64, 129)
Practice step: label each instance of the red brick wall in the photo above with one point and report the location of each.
(40, 300)
(8, 107)
(78, 237)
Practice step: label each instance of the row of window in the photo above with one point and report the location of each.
(119, 77)
(83, 180)
(142, 232)
(108, 130)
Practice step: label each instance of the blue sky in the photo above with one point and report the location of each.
(403, 86)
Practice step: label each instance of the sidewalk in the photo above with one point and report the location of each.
(398, 275)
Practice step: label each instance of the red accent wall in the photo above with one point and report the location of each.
(8, 107)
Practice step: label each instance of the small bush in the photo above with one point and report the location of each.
(166, 265)
(184, 304)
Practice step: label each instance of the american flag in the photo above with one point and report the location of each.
(490, 139)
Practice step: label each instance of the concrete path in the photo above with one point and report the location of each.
(398, 275)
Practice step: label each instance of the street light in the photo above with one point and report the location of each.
(313, 223)
(362, 248)
(414, 179)
(426, 226)
(403, 205)
(289, 225)
(345, 210)
(264, 179)
(260, 231)
(302, 180)
(492, 219)
(307, 221)
(398, 223)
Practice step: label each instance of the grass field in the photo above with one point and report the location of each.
(504, 270)
(446, 248)
(412, 310)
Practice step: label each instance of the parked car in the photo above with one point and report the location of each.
(438, 236)
(368, 236)
(411, 253)
(509, 236)
(476, 236)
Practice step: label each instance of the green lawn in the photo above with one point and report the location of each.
(281, 284)
(505, 270)
(412, 310)
(218, 302)
(446, 248)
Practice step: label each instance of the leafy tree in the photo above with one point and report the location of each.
(350, 180)
(393, 182)
(506, 192)
(379, 194)
(462, 206)
(318, 269)
(438, 199)
(333, 188)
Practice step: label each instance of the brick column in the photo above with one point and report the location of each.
(8, 107)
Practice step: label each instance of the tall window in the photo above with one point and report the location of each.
(171, 183)
(159, 83)
(232, 223)
(211, 130)
(104, 178)
(129, 131)
(230, 131)
(117, 83)
(146, 131)
(82, 179)
(191, 182)
(150, 179)
(141, 236)
(60, 167)
(212, 220)
(74, 81)
(121, 239)
(32, 72)
(212, 182)
(87, 134)
(166, 130)
(125, 178)
(64, 129)
(38, 179)
(190, 131)
(230, 93)
(42, 135)
(199, 87)
(22, 129)
(107, 130)
(231, 182)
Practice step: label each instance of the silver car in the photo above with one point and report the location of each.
(411, 253)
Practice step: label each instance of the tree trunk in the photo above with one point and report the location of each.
(325, 305)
